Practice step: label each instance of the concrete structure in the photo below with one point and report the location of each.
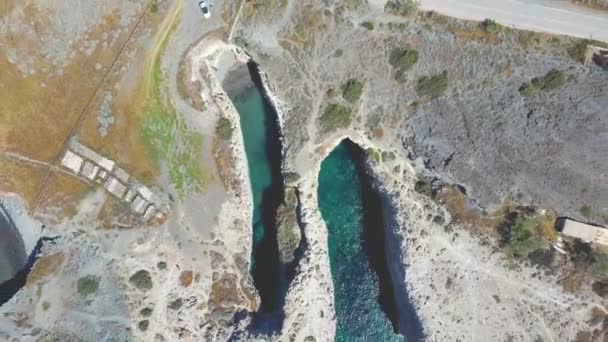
(583, 231)
(145, 192)
(139, 205)
(72, 161)
(89, 170)
(86, 152)
(150, 212)
(115, 187)
(81, 160)
(121, 174)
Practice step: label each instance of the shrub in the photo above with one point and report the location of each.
(599, 268)
(401, 7)
(291, 177)
(141, 280)
(552, 80)
(491, 26)
(403, 61)
(578, 51)
(143, 325)
(525, 239)
(224, 129)
(88, 285)
(154, 6)
(146, 312)
(527, 90)
(368, 25)
(176, 304)
(335, 116)
(352, 90)
(432, 87)
(373, 155)
(585, 211)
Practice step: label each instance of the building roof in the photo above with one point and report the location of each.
(93, 156)
(139, 205)
(121, 174)
(89, 170)
(584, 231)
(115, 187)
(72, 161)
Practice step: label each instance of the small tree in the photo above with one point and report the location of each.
(432, 87)
(224, 129)
(406, 8)
(352, 90)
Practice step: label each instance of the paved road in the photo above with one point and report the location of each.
(553, 16)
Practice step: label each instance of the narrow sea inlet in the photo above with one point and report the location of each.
(261, 137)
(365, 301)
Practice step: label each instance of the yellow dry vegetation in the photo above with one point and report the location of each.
(20, 178)
(45, 265)
(39, 110)
(62, 196)
(123, 141)
(456, 203)
(477, 34)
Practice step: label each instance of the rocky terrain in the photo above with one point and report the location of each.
(509, 116)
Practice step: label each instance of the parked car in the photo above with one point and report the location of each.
(204, 6)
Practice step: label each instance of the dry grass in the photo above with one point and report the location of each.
(456, 203)
(45, 266)
(40, 110)
(115, 214)
(123, 142)
(20, 178)
(62, 196)
(185, 278)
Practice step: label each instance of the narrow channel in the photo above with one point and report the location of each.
(261, 135)
(366, 302)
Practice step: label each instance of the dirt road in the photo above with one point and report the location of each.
(553, 16)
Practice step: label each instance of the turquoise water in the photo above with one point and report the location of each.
(250, 105)
(359, 316)
(260, 131)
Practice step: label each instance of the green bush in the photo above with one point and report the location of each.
(146, 312)
(291, 177)
(528, 90)
(154, 6)
(599, 268)
(143, 325)
(224, 129)
(401, 7)
(585, 211)
(352, 90)
(335, 116)
(368, 25)
(88, 285)
(578, 50)
(526, 237)
(551, 81)
(373, 155)
(141, 280)
(491, 26)
(402, 61)
(432, 87)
